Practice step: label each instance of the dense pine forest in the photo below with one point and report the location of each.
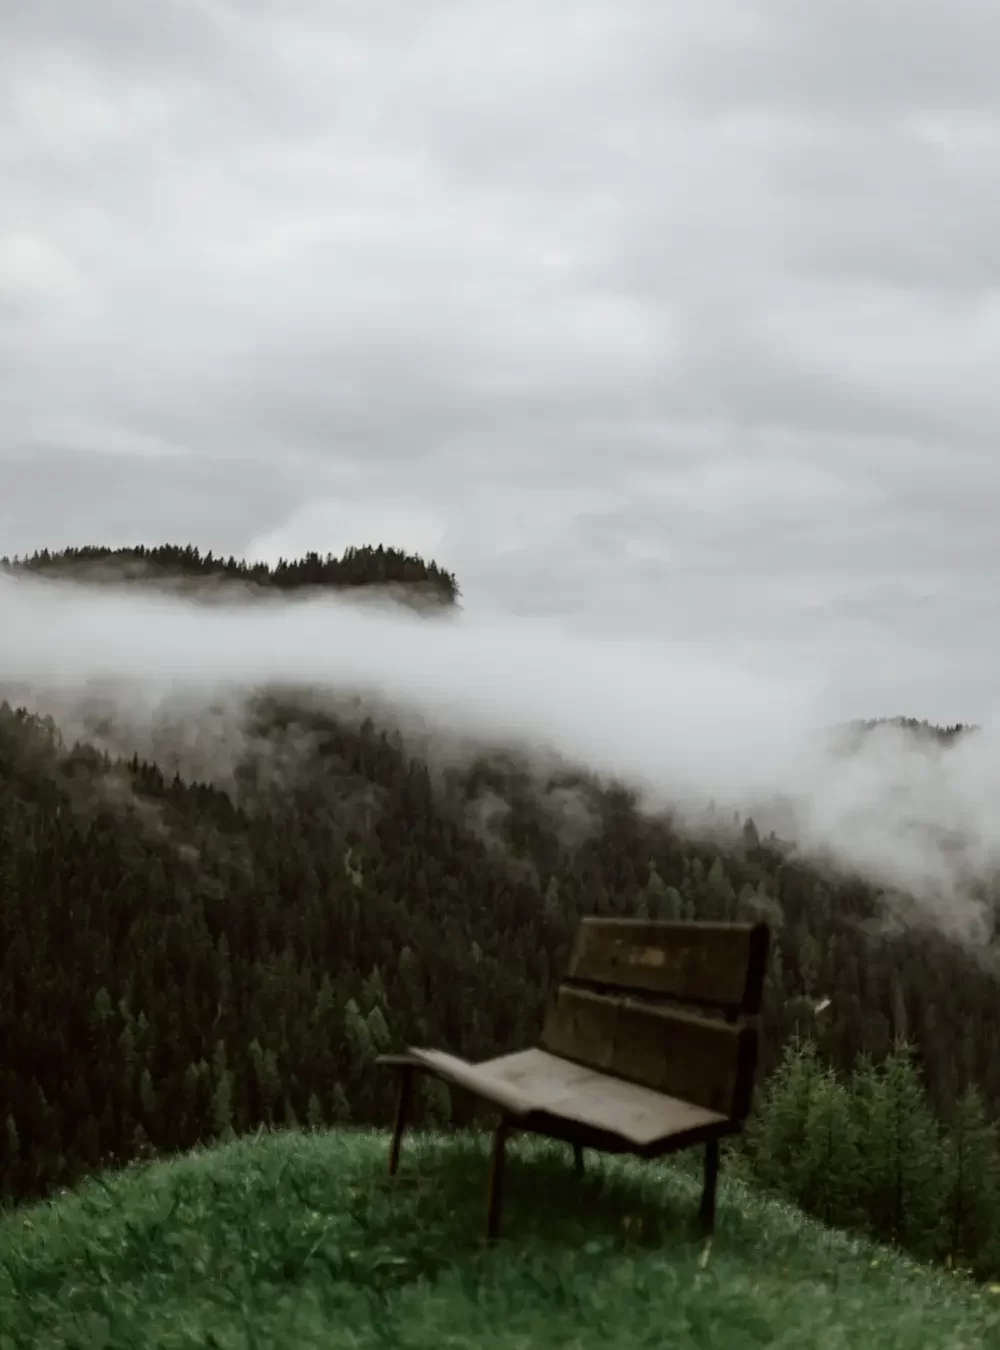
(180, 960)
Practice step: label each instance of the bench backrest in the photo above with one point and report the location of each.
(611, 1012)
(710, 965)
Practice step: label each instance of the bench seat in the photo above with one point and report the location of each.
(532, 1083)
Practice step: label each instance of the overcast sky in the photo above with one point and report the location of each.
(677, 316)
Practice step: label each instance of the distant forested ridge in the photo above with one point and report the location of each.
(921, 731)
(179, 960)
(356, 567)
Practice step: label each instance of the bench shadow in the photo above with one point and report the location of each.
(441, 1190)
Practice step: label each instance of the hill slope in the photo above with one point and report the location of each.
(300, 1240)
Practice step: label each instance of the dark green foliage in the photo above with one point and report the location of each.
(901, 1148)
(865, 1152)
(776, 1134)
(970, 1188)
(828, 1167)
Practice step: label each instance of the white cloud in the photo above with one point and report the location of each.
(657, 316)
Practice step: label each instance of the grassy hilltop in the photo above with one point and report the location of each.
(300, 1240)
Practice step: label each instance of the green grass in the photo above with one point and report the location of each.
(300, 1240)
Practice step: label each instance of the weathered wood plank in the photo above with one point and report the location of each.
(701, 1060)
(573, 1092)
(717, 964)
(474, 1078)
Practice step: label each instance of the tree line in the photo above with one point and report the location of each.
(364, 566)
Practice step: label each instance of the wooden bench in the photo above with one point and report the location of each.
(649, 1046)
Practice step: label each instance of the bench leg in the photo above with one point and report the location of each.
(494, 1198)
(578, 1160)
(706, 1214)
(402, 1105)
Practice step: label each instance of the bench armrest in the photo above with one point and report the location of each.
(464, 1075)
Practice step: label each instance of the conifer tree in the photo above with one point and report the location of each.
(147, 1098)
(776, 1135)
(340, 1107)
(672, 906)
(437, 1101)
(378, 1029)
(359, 1037)
(314, 1112)
(720, 894)
(901, 1152)
(970, 1208)
(267, 1075)
(826, 1170)
(11, 1155)
(222, 1095)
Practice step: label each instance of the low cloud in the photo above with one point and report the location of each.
(685, 723)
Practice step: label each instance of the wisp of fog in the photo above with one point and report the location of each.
(682, 722)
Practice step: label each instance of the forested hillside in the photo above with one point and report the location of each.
(356, 567)
(180, 962)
